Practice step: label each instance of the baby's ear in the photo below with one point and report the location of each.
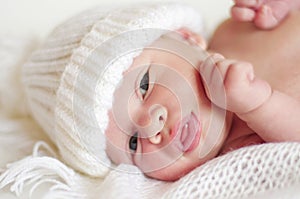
(194, 37)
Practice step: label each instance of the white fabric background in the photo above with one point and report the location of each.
(41, 16)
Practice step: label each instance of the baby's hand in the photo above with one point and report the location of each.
(264, 14)
(232, 85)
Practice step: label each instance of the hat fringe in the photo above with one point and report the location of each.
(36, 170)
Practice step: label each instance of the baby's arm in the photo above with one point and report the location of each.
(273, 115)
(278, 119)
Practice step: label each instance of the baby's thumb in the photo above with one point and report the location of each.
(14, 51)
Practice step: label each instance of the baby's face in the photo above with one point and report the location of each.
(162, 120)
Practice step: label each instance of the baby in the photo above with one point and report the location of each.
(170, 138)
(264, 14)
(113, 87)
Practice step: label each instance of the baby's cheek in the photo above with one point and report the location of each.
(116, 142)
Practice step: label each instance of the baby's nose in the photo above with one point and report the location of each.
(156, 139)
(158, 117)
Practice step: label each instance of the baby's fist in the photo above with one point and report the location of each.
(232, 85)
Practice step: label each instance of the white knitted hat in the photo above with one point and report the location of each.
(70, 81)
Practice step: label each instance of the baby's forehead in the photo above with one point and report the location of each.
(167, 46)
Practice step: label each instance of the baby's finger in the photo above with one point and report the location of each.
(221, 69)
(208, 66)
(215, 68)
(212, 75)
(248, 3)
(242, 14)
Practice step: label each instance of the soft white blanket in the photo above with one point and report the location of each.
(263, 171)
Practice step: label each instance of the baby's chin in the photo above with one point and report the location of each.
(182, 166)
(165, 175)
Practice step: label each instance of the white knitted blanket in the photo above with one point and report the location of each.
(263, 171)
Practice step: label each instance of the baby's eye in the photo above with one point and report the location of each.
(133, 142)
(144, 84)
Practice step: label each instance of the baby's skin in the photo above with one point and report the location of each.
(262, 100)
(264, 14)
(264, 94)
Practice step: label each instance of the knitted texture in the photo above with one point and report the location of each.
(250, 172)
(70, 81)
(245, 173)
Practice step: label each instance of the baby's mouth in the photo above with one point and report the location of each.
(187, 132)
